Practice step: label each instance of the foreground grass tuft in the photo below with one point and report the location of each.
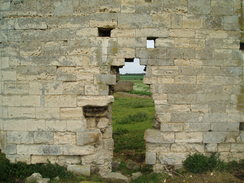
(15, 172)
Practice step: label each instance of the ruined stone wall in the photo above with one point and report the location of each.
(57, 76)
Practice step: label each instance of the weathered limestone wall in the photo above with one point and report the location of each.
(57, 76)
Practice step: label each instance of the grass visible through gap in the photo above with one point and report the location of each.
(132, 115)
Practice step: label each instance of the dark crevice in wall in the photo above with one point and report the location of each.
(95, 111)
(104, 32)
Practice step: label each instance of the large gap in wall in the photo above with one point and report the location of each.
(132, 113)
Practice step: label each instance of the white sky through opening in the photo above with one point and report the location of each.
(135, 67)
(132, 67)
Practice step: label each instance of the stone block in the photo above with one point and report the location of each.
(172, 108)
(189, 137)
(89, 137)
(39, 149)
(152, 32)
(15, 88)
(32, 72)
(164, 42)
(199, 7)
(224, 147)
(231, 23)
(10, 149)
(172, 158)
(69, 160)
(5, 5)
(70, 88)
(56, 125)
(116, 177)
(171, 127)
(155, 136)
(71, 113)
(44, 159)
(184, 147)
(182, 99)
(134, 21)
(123, 33)
(180, 5)
(76, 125)
(35, 125)
(225, 127)
(20, 137)
(85, 32)
(47, 113)
(60, 101)
(237, 148)
(108, 133)
(149, 53)
(108, 144)
(77, 150)
(9, 75)
(106, 79)
(182, 33)
(43, 137)
(224, 7)
(37, 177)
(21, 100)
(80, 169)
(197, 127)
(176, 21)
(94, 100)
(151, 158)
(30, 23)
(211, 147)
(192, 22)
(214, 137)
(64, 138)
(14, 125)
(21, 112)
(103, 123)
(63, 8)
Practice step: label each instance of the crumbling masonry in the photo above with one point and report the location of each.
(58, 66)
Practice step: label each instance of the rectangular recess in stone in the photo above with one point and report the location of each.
(129, 59)
(95, 111)
(241, 46)
(104, 32)
(148, 1)
(111, 89)
(151, 42)
(241, 127)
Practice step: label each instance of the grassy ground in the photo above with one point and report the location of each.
(139, 88)
(132, 115)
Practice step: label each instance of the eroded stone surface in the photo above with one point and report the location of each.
(57, 77)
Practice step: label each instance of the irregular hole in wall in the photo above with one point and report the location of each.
(241, 126)
(151, 42)
(115, 71)
(95, 111)
(241, 46)
(104, 32)
(133, 112)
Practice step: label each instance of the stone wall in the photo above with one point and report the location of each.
(58, 70)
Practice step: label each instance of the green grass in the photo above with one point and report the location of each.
(139, 87)
(131, 117)
(131, 77)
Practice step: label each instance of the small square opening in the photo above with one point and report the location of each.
(242, 46)
(151, 42)
(104, 32)
(129, 59)
(241, 127)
